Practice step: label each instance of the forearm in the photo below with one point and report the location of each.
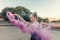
(22, 25)
(18, 24)
(21, 19)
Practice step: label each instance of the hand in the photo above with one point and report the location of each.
(20, 18)
(15, 14)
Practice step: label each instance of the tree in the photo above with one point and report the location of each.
(22, 11)
(45, 20)
(39, 19)
(55, 21)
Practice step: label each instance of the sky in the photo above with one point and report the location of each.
(44, 8)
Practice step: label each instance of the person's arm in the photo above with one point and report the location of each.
(20, 18)
(11, 18)
(24, 27)
(46, 25)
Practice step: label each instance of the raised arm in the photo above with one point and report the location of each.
(25, 27)
(46, 25)
(20, 18)
(11, 18)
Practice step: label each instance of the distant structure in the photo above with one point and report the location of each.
(1, 18)
(51, 19)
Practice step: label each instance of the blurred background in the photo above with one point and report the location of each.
(48, 12)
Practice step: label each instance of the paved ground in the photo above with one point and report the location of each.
(14, 33)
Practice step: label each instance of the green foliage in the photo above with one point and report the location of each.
(45, 20)
(39, 19)
(55, 21)
(24, 12)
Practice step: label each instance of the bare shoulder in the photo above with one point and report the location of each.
(28, 23)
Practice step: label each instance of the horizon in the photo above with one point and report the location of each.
(44, 8)
(51, 18)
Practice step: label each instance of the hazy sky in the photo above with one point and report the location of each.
(44, 8)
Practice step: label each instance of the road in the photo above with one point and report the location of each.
(14, 33)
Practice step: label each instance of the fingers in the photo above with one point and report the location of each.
(14, 14)
(9, 15)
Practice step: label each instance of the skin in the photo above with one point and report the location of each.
(32, 18)
(28, 29)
